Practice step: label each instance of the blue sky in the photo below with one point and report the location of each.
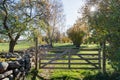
(71, 8)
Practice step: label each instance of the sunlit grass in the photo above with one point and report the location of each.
(70, 45)
(19, 46)
(4, 47)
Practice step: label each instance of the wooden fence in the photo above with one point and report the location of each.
(69, 60)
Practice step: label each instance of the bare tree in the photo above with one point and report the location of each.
(54, 20)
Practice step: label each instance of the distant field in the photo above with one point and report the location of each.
(19, 46)
(70, 45)
(26, 44)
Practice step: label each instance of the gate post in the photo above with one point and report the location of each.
(104, 58)
(69, 56)
(40, 60)
(99, 56)
(36, 52)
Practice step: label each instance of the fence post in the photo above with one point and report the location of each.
(99, 57)
(40, 60)
(104, 58)
(69, 56)
(36, 52)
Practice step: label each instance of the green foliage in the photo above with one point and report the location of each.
(104, 25)
(98, 76)
(76, 35)
(65, 40)
(114, 59)
(105, 76)
(17, 17)
(115, 76)
(104, 22)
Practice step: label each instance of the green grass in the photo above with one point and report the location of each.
(68, 74)
(59, 74)
(70, 45)
(19, 46)
(4, 47)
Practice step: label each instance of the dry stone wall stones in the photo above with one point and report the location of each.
(5, 74)
(21, 64)
(16, 72)
(6, 79)
(13, 65)
(3, 66)
(11, 77)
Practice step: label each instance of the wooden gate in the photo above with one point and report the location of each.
(69, 60)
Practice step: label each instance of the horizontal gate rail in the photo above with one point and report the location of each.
(71, 58)
(70, 54)
(86, 54)
(89, 49)
(69, 68)
(70, 63)
(63, 49)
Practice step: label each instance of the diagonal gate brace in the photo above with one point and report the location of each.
(87, 61)
(65, 52)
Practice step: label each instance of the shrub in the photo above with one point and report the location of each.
(65, 40)
(98, 76)
(76, 35)
(115, 76)
(105, 76)
(114, 59)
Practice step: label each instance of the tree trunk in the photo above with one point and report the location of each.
(12, 45)
(51, 44)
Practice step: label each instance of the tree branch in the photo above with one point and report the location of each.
(5, 19)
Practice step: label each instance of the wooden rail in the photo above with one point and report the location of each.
(68, 60)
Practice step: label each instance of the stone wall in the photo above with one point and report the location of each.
(15, 69)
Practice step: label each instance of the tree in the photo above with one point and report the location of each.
(105, 25)
(56, 36)
(16, 16)
(56, 16)
(76, 34)
(104, 22)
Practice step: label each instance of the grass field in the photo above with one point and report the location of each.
(70, 45)
(19, 46)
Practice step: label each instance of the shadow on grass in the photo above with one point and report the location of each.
(70, 46)
(35, 75)
(65, 46)
(65, 77)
